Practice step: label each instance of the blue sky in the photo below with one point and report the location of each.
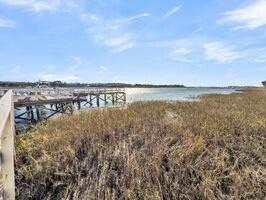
(191, 42)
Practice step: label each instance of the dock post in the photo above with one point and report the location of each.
(98, 100)
(38, 114)
(28, 110)
(79, 106)
(113, 99)
(125, 98)
(105, 99)
(90, 100)
(32, 113)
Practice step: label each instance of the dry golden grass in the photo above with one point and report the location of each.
(211, 149)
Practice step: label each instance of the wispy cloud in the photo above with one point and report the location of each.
(7, 23)
(77, 62)
(117, 43)
(250, 17)
(89, 17)
(115, 33)
(172, 11)
(102, 69)
(182, 51)
(257, 55)
(134, 18)
(34, 5)
(260, 59)
(181, 54)
(221, 53)
(201, 49)
(186, 50)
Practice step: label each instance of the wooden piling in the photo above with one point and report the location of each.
(28, 110)
(113, 99)
(38, 116)
(32, 114)
(98, 100)
(105, 99)
(90, 100)
(79, 105)
(125, 98)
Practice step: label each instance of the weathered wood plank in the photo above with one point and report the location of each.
(7, 132)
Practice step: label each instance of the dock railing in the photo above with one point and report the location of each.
(7, 133)
(60, 91)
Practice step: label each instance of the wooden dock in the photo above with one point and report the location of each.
(31, 103)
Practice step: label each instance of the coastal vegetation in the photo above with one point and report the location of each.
(213, 148)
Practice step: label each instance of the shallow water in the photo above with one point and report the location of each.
(175, 94)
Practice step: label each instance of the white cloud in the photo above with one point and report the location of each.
(115, 33)
(133, 18)
(200, 49)
(57, 77)
(220, 53)
(250, 17)
(34, 5)
(118, 43)
(7, 23)
(172, 11)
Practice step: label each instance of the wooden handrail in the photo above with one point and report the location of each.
(61, 91)
(7, 133)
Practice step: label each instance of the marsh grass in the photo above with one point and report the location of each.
(210, 149)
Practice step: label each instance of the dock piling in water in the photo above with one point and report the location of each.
(30, 102)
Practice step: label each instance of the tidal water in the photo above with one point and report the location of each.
(145, 94)
(171, 94)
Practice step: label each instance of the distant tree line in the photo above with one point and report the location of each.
(16, 84)
(64, 84)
